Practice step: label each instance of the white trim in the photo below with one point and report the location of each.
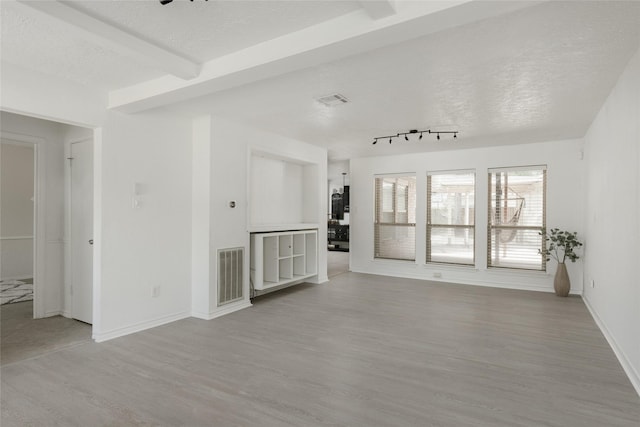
(517, 272)
(140, 326)
(518, 168)
(634, 376)
(97, 228)
(318, 281)
(223, 310)
(395, 175)
(39, 220)
(489, 283)
(16, 238)
(53, 313)
(455, 172)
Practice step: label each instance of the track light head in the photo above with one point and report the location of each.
(406, 138)
(455, 136)
(389, 140)
(163, 2)
(375, 141)
(438, 136)
(420, 135)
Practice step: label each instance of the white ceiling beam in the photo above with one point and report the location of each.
(378, 9)
(336, 39)
(118, 40)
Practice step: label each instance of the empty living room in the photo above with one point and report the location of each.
(319, 212)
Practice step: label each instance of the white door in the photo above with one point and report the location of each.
(82, 231)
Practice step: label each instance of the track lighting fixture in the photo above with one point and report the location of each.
(414, 131)
(163, 2)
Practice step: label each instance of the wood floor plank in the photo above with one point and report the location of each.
(360, 350)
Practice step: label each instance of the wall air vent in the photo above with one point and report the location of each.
(230, 275)
(332, 100)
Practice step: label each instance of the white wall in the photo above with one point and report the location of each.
(141, 248)
(276, 188)
(231, 160)
(612, 247)
(565, 197)
(16, 210)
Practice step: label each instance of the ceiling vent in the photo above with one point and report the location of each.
(332, 100)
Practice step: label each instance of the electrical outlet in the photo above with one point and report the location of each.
(437, 275)
(155, 292)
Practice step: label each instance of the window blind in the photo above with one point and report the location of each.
(451, 217)
(395, 217)
(517, 214)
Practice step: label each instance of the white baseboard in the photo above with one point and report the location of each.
(225, 309)
(141, 326)
(320, 279)
(490, 283)
(54, 313)
(633, 375)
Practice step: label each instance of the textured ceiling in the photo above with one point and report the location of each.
(203, 30)
(51, 47)
(538, 74)
(196, 30)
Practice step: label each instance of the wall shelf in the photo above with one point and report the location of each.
(282, 258)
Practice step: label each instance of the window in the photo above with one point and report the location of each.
(395, 217)
(451, 217)
(516, 217)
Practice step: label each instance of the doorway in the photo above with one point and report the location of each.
(32, 328)
(17, 214)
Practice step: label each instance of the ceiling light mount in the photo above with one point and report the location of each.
(416, 131)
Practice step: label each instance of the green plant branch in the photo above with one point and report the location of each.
(560, 245)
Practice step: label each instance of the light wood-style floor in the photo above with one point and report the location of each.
(361, 350)
(337, 263)
(23, 337)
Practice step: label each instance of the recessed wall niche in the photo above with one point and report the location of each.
(282, 191)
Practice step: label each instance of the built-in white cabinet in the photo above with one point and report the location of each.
(284, 257)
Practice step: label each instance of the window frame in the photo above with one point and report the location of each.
(430, 225)
(378, 210)
(490, 212)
